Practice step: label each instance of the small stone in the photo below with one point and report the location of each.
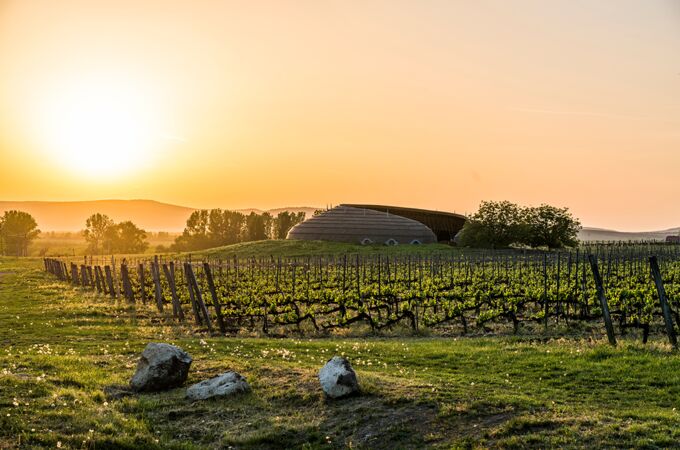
(223, 385)
(338, 379)
(161, 367)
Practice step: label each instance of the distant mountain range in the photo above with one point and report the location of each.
(147, 214)
(156, 216)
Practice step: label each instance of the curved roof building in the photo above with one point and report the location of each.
(445, 225)
(362, 226)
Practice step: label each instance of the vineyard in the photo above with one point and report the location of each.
(496, 291)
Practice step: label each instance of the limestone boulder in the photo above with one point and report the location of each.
(223, 385)
(161, 367)
(338, 379)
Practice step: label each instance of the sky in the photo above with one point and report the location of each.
(431, 104)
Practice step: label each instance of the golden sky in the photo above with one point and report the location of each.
(432, 104)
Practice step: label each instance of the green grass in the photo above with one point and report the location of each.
(74, 244)
(63, 348)
(316, 248)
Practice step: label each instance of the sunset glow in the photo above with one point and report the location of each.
(98, 129)
(436, 104)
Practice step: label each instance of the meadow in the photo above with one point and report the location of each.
(67, 350)
(72, 243)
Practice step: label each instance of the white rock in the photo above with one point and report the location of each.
(337, 378)
(162, 366)
(222, 385)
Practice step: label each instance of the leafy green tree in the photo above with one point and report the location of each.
(549, 226)
(96, 232)
(225, 227)
(284, 221)
(105, 236)
(501, 224)
(258, 226)
(130, 238)
(494, 225)
(17, 230)
(234, 223)
(211, 228)
(110, 239)
(195, 234)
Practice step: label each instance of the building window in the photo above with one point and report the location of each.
(366, 241)
(391, 242)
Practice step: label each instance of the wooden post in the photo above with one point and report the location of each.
(114, 277)
(97, 280)
(109, 281)
(83, 276)
(176, 307)
(127, 287)
(192, 297)
(142, 285)
(191, 281)
(545, 290)
(215, 299)
(656, 274)
(74, 273)
(158, 292)
(558, 307)
(603, 299)
(90, 277)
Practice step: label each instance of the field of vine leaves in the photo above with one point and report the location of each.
(454, 292)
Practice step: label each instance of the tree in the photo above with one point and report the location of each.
(212, 228)
(234, 223)
(284, 221)
(258, 226)
(17, 230)
(501, 224)
(551, 227)
(494, 225)
(105, 236)
(96, 232)
(195, 234)
(225, 227)
(130, 238)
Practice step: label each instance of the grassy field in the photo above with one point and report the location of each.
(74, 244)
(316, 248)
(64, 351)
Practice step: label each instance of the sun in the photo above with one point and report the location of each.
(99, 128)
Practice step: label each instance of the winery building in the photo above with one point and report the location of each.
(379, 224)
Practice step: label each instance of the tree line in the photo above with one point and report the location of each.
(494, 225)
(217, 227)
(204, 229)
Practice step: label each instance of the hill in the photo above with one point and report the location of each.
(599, 234)
(148, 214)
(319, 248)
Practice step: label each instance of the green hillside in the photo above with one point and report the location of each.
(315, 248)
